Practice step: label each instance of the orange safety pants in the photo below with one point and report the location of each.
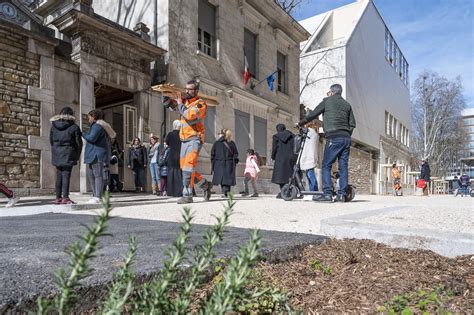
(188, 161)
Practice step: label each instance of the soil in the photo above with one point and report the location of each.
(361, 276)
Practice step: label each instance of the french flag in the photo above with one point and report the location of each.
(246, 70)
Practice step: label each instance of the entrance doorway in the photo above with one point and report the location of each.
(121, 113)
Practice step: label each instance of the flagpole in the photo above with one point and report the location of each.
(252, 86)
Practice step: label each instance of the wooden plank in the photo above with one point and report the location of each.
(168, 89)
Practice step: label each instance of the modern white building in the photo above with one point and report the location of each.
(353, 46)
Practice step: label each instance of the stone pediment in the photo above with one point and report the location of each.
(94, 35)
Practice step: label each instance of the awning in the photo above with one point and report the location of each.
(468, 161)
(170, 89)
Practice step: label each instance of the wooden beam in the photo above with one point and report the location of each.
(168, 89)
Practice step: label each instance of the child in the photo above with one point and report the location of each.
(114, 171)
(251, 172)
(12, 198)
(163, 164)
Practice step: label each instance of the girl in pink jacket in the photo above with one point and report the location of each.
(251, 172)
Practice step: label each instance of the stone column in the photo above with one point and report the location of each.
(86, 104)
(45, 95)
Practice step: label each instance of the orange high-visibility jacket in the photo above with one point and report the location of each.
(192, 112)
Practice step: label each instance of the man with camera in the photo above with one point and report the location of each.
(193, 111)
(338, 124)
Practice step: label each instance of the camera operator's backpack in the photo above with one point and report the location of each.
(297, 142)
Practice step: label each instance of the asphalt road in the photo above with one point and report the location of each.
(32, 248)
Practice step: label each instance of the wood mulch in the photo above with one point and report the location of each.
(360, 276)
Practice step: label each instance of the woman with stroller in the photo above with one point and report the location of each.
(396, 180)
(137, 162)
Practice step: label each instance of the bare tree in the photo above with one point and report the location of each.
(289, 5)
(311, 77)
(437, 132)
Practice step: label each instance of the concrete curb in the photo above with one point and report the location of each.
(444, 243)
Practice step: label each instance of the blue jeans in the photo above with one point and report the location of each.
(336, 149)
(312, 181)
(155, 174)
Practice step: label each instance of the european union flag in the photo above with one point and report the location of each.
(270, 80)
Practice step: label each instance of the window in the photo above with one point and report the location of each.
(250, 49)
(387, 123)
(242, 133)
(281, 67)
(260, 136)
(387, 44)
(210, 125)
(395, 56)
(207, 28)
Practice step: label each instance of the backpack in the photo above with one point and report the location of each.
(297, 142)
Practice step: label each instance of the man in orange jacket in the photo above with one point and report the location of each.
(193, 111)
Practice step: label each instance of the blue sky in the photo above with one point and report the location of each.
(435, 35)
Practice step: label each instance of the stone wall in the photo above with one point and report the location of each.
(20, 117)
(360, 171)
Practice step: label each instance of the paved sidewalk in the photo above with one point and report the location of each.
(442, 223)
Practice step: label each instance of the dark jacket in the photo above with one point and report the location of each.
(223, 161)
(425, 172)
(338, 118)
(97, 146)
(66, 141)
(283, 155)
(163, 161)
(174, 143)
(137, 157)
(464, 180)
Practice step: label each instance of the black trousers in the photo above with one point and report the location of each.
(63, 176)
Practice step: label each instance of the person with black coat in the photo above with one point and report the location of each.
(174, 183)
(224, 158)
(137, 162)
(425, 174)
(66, 146)
(283, 155)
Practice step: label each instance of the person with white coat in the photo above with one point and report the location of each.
(309, 158)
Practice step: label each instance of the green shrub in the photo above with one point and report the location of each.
(167, 292)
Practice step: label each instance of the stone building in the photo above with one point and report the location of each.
(352, 45)
(97, 54)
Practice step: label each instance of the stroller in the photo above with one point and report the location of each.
(295, 186)
(397, 187)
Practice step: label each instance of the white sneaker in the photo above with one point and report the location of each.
(12, 201)
(94, 201)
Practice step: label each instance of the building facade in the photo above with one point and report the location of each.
(97, 54)
(465, 164)
(352, 46)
